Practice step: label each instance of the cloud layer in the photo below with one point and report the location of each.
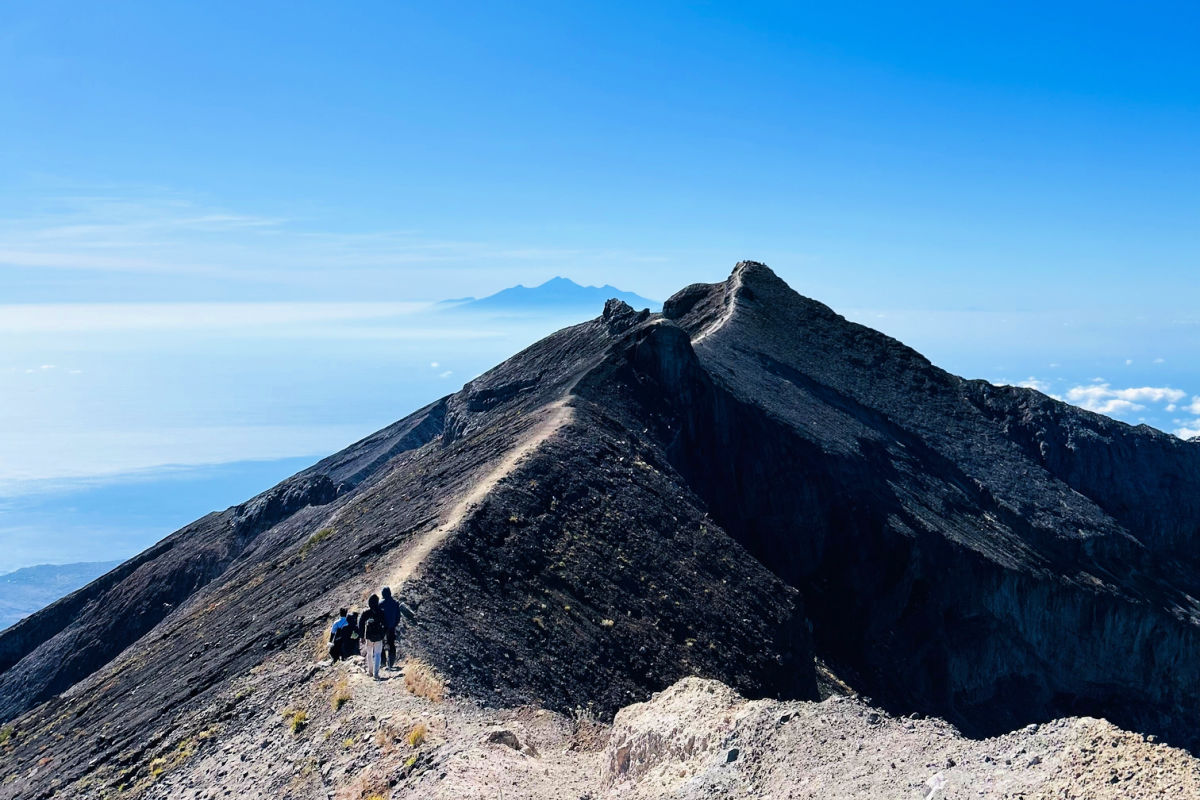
(1135, 404)
(1104, 399)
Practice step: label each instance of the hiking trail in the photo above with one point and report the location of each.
(727, 314)
(557, 416)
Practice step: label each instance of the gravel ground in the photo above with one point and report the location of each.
(697, 739)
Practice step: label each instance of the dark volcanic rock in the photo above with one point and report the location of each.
(982, 553)
(724, 489)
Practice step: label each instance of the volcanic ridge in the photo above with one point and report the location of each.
(744, 487)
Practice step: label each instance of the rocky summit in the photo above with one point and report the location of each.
(744, 487)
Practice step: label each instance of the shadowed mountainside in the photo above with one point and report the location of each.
(726, 488)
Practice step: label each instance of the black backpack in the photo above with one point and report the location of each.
(374, 629)
(342, 638)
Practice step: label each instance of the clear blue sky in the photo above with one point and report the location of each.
(1014, 188)
(952, 154)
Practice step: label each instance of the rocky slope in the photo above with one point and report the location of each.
(697, 740)
(725, 489)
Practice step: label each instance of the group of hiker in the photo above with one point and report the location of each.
(368, 633)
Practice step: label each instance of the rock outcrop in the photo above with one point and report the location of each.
(699, 740)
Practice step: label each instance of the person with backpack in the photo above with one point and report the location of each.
(339, 636)
(352, 640)
(391, 618)
(372, 629)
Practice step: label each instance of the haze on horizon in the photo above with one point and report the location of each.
(221, 227)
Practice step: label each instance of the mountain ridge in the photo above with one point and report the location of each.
(746, 455)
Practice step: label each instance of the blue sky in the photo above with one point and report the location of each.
(218, 221)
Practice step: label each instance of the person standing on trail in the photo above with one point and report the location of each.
(372, 629)
(391, 618)
(339, 636)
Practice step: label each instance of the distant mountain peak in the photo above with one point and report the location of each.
(558, 294)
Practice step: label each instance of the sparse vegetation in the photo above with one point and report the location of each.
(341, 693)
(606, 623)
(7, 733)
(386, 737)
(368, 786)
(315, 540)
(423, 680)
(588, 733)
(416, 736)
(297, 720)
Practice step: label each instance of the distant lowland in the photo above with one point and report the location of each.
(27, 590)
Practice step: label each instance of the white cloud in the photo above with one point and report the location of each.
(1128, 362)
(1160, 361)
(135, 231)
(1031, 383)
(33, 459)
(95, 317)
(1194, 407)
(433, 365)
(1104, 399)
(1190, 431)
(446, 374)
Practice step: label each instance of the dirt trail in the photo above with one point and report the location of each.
(556, 416)
(727, 314)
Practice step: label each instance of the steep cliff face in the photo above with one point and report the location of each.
(948, 536)
(727, 489)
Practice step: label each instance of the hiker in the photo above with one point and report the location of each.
(339, 636)
(352, 648)
(391, 618)
(372, 629)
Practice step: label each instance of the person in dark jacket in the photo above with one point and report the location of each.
(352, 646)
(391, 618)
(372, 630)
(339, 636)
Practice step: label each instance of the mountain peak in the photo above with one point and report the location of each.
(731, 488)
(559, 294)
